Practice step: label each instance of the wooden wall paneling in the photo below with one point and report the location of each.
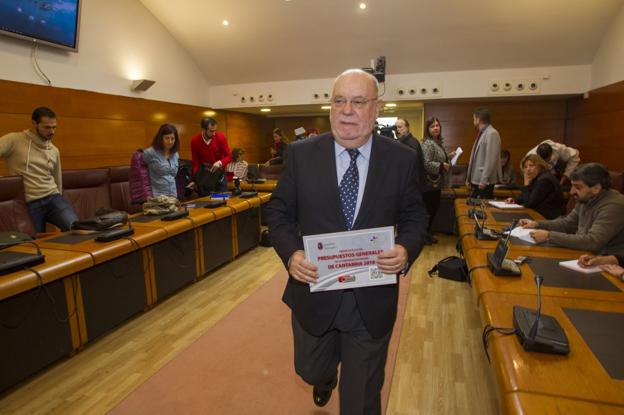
(96, 130)
(252, 133)
(595, 125)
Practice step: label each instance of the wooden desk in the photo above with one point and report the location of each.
(578, 376)
(463, 192)
(58, 265)
(483, 281)
(536, 404)
(267, 186)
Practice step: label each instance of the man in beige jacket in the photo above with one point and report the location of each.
(596, 224)
(31, 154)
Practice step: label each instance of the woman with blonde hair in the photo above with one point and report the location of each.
(541, 191)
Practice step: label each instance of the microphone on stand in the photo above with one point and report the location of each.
(537, 332)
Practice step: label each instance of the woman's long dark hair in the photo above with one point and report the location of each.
(165, 129)
(428, 124)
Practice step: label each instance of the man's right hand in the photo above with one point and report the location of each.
(300, 269)
(527, 223)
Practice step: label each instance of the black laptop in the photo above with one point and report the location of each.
(15, 261)
(482, 233)
(498, 262)
(253, 174)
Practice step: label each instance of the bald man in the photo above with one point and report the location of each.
(347, 327)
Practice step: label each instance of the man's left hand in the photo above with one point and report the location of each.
(482, 186)
(393, 260)
(540, 235)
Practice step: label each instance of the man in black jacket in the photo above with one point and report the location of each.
(405, 137)
(351, 327)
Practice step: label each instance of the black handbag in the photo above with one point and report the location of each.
(103, 220)
(451, 268)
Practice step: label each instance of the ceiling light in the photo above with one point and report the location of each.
(209, 113)
(391, 105)
(265, 110)
(226, 23)
(362, 6)
(326, 107)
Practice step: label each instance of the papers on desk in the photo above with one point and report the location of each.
(574, 266)
(504, 205)
(458, 153)
(523, 234)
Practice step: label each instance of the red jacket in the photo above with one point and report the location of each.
(218, 149)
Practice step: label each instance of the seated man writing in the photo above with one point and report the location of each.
(596, 223)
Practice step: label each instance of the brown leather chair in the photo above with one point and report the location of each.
(119, 190)
(14, 215)
(87, 190)
(459, 172)
(272, 171)
(617, 181)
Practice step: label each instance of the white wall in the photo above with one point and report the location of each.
(608, 66)
(560, 80)
(119, 40)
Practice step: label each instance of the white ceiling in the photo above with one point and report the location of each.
(277, 40)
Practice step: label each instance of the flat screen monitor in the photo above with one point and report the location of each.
(52, 22)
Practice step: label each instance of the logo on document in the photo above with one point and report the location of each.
(320, 245)
(346, 278)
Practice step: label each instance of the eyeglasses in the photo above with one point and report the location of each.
(357, 102)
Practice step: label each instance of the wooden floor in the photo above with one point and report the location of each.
(441, 367)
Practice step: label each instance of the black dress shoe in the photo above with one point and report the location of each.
(321, 396)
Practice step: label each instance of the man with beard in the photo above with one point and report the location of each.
(361, 180)
(31, 154)
(596, 223)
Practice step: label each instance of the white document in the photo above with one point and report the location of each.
(523, 234)
(574, 266)
(458, 153)
(349, 259)
(504, 205)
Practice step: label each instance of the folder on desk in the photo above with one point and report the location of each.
(15, 261)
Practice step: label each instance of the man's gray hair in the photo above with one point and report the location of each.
(360, 71)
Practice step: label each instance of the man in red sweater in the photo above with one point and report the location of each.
(211, 147)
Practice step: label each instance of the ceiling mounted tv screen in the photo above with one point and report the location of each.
(53, 22)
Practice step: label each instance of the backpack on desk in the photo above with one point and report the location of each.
(207, 181)
(138, 179)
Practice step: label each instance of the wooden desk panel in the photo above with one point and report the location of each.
(267, 186)
(576, 376)
(463, 192)
(483, 281)
(58, 264)
(521, 403)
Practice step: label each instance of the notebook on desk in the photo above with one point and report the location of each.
(15, 261)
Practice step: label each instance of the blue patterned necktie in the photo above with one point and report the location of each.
(349, 189)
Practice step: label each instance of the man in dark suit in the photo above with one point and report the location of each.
(339, 181)
(484, 168)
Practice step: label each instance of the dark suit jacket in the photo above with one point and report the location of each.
(413, 143)
(306, 201)
(544, 194)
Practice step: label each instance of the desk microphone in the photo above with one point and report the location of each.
(533, 332)
(537, 332)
